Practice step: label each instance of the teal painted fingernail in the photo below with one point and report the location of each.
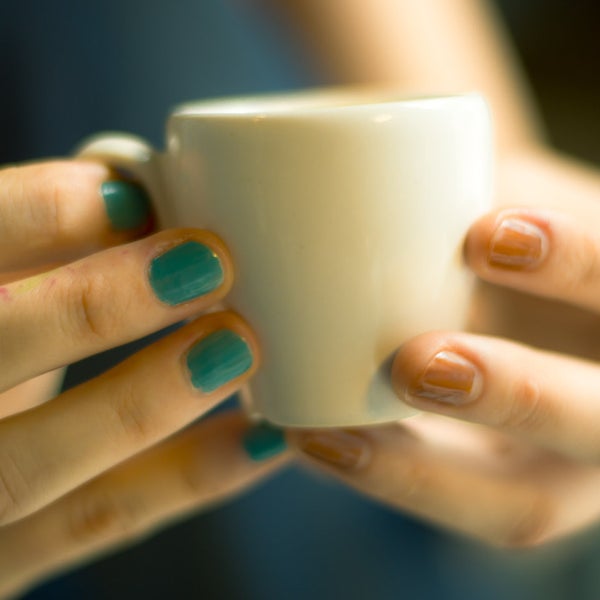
(127, 204)
(264, 441)
(217, 359)
(185, 272)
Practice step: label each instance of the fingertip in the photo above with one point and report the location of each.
(218, 354)
(412, 357)
(477, 241)
(221, 251)
(233, 320)
(127, 205)
(124, 210)
(263, 441)
(508, 241)
(344, 450)
(184, 267)
(217, 360)
(254, 443)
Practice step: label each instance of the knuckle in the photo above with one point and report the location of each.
(526, 410)
(93, 516)
(41, 205)
(88, 309)
(195, 482)
(131, 419)
(53, 208)
(531, 527)
(62, 183)
(13, 488)
(416, 482)
(200, 482)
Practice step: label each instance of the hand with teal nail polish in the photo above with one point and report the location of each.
(76, 462)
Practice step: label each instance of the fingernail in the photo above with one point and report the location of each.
(448, 378)
(264, 441)
(517, 244)
(217, 359)
(127, 204)
(185, 272)
(342, 449)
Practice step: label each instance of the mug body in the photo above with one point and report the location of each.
(345, 215)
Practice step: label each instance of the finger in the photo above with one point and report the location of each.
(548, 399)
(538, 251)
(205, 465)
(453, 476)
(107, 299)
(59, 210)
(50, 450)
(31, 393)
(10, 276)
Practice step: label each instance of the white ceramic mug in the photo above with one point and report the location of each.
(345, 213)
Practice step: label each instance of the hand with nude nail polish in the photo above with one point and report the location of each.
(507, 446)
(91, 468)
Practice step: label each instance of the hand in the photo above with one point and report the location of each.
(93, 468)
(508, 446)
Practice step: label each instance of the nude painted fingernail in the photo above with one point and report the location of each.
(517, 244)
(342, 449)
(448, 378)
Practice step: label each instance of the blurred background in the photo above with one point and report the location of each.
(72, 68)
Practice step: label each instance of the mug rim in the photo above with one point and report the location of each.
(312, 101)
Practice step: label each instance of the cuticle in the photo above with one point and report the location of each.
(164, 246)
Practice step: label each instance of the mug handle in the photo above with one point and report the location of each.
(136, 158)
